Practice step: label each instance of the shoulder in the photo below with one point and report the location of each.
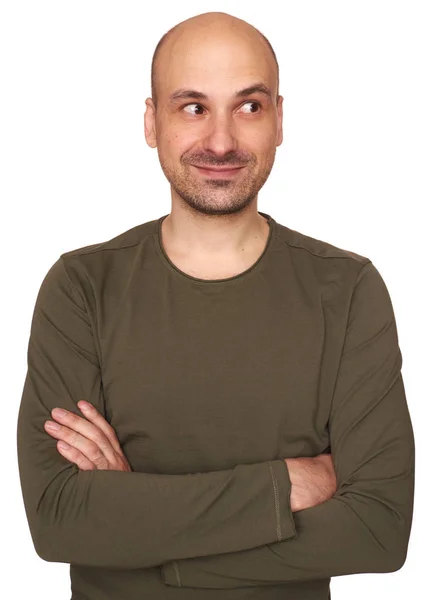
(319, 249)
(126, 239)
(95, 265)
(320, 267)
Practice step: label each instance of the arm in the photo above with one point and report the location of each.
(113, 518)
(365, 526)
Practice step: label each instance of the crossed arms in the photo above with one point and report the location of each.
(222, 528)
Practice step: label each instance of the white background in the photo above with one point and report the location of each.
(353, 170)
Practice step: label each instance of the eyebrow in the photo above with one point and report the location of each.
(183, 94)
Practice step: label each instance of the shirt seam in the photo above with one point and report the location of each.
(347, 324)
(71, 282)
(358, 260)
(276, 502)
(94, 330)
(177, 573)
(77, 252)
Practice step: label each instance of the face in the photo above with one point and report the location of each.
(216, 108)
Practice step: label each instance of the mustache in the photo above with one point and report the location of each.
(229, 160)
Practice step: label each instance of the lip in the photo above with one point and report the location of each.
(218, 171)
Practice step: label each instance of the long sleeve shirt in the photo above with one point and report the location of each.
(209, 386)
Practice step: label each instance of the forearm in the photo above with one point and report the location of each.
(117, 519)
(113, 518)
(332, 540)
(137, 520)
(364, 528)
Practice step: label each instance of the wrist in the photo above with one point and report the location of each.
(297, 493)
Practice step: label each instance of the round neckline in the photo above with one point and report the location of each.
(239, 276)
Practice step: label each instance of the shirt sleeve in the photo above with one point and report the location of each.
(123, 519)
(365, 526)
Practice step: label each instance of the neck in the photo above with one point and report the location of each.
(214, 235)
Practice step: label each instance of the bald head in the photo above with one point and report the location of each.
(219, 27)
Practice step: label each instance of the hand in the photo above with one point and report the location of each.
(313, 480)
(90, 443)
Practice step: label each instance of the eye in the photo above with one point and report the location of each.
(193, 104)
(251, 103)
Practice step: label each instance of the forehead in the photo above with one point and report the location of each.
(215, 65)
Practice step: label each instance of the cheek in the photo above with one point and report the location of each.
(175, 143)
(260, 139)
(170, 149)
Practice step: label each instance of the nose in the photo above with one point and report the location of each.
(220, 136)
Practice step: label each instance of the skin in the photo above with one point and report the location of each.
(213, 221)
(90, 441)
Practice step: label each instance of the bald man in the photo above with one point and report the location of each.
(246, 433)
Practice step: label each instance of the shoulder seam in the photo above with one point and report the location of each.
(70, 280)
(369, 262)
(98, 352)
(321, 256)
(94, 250)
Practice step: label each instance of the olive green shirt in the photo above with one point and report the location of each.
(209, 385)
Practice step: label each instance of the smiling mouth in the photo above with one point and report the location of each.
(218, 171)
(210, 168)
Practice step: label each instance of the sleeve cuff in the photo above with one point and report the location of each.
(282, 485)
(171, 574)
(283, 521)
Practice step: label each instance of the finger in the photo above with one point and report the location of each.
(86, 428)
(93, 415)
(83, 435)
(79, 443)
(74, 456)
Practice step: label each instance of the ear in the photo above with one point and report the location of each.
(280, 120)
(150, 123)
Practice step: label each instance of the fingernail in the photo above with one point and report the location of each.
(84, 405)
(63, 445)
(52, 425)
(59, 412)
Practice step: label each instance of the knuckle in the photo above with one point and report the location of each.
(96, 454)
(72, 438)
(119, 457)
(112, 431)
(71, 417)
(102, 441)
(82, 463)
(119, 463)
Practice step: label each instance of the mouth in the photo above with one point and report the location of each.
(218, 172)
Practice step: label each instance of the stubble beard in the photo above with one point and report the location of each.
(217, 196)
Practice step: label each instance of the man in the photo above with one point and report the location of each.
(248, 434)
